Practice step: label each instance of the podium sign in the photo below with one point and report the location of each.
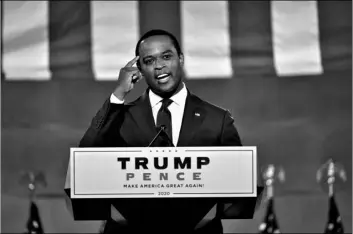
(161, 172)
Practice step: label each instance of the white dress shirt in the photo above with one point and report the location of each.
(176, 109)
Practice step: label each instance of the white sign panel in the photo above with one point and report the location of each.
(163, 172)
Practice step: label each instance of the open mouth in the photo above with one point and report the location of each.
(163, 78)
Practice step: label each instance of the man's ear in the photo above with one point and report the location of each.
(181, 59)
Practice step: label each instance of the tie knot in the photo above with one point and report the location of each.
(166, 102)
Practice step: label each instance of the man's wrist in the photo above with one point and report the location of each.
(119, 93)
(116, 100)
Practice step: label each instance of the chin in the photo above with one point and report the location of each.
(165, 89)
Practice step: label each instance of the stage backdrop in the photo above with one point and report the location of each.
(283, 69)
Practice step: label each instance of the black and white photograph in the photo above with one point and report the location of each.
(176, 117)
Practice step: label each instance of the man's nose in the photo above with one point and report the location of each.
(159, 63)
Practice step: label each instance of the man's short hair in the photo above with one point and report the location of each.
(158, 32)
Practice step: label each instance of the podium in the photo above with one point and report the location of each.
(195, 178)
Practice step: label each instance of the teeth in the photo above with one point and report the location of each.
(163, 75)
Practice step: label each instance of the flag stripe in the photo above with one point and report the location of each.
(205, 36)
(70, 39)
(2, 46)
(26, 43)
(115, 32)
(160, 15)
(251, 39)
(295, 35)
(335, 26)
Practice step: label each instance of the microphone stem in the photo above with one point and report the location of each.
(154, 139)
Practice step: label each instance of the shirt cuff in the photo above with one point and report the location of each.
(115, 100)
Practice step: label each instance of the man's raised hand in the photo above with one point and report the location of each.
(128, 76)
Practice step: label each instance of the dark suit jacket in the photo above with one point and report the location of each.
(132, 125)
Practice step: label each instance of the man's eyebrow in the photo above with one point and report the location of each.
(167, 51)
(147, 56)
(164, 52)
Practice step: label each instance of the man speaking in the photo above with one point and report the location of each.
(166, 114)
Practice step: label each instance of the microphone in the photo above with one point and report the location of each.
(161, 128)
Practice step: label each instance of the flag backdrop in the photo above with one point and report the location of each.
(282, 68)
(219, 38)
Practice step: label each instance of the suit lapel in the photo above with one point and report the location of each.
(194, 115)
(141, 113)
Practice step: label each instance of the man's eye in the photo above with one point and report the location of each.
(149, 61)
(167, 56)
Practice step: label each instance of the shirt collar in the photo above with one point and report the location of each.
(178, 98)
